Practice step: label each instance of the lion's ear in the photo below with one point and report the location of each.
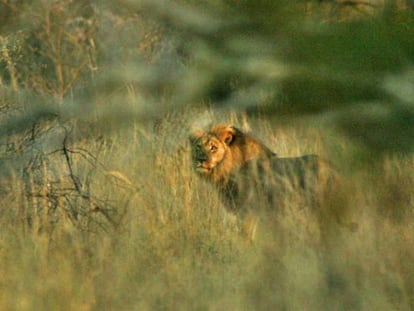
(228, 135)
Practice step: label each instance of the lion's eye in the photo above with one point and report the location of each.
(213, 148)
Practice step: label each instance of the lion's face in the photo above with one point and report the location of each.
(207, 152)
(209, 148)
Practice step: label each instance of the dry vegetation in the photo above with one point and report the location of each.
(151, 235)
(100, 209)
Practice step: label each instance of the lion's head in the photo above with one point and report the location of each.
(222, 149)
(209, 148)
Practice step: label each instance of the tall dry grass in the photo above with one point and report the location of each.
(166, 241)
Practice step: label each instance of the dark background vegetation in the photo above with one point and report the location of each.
(100, 208)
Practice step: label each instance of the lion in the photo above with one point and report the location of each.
(239, 164)
(252, 179)
(247, 173)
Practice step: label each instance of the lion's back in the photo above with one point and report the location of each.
(274, 180)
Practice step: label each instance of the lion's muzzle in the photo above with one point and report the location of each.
(203, 166)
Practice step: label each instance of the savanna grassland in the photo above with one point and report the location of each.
(100, 207)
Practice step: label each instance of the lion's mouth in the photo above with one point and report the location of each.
(203, 170)
(203, 167)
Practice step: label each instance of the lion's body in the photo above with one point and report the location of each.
(270, 183)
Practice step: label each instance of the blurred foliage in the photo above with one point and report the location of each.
(142, 58)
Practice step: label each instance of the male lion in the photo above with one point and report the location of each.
(244, 169)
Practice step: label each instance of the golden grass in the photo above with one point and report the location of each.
(172, 245)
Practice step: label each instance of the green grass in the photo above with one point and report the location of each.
(171, 245)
